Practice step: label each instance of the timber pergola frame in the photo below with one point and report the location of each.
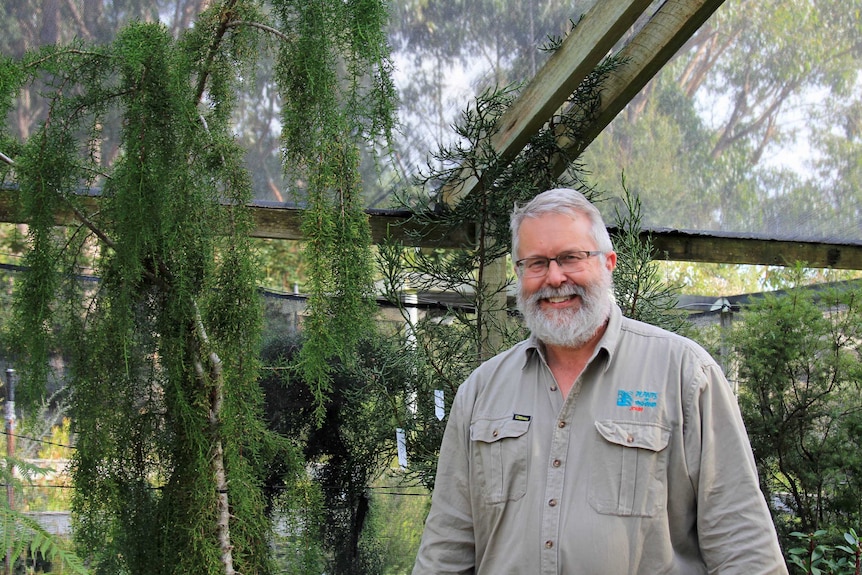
(655, 43)
(601, 28)
(664, 33)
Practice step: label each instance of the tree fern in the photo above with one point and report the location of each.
(23, 535)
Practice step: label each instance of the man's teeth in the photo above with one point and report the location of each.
(558, 299)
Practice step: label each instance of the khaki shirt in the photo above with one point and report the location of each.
(645, 468)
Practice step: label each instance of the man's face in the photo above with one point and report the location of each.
(563, 308)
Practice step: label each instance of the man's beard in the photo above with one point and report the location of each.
(567, 327)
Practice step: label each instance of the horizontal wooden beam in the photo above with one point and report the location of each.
(275, 220)
(280, 221)
(670, 244)
(718, 247)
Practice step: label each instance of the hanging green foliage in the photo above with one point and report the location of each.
(161, 353)
(338, 94)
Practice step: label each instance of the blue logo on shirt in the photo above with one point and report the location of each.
(637, 400)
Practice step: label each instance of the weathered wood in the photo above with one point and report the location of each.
(582, 50)
(641, 58)
(278, 221)
(718, 247)
(671, 244)
(63, 217)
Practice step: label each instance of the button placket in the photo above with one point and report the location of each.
(552, 514)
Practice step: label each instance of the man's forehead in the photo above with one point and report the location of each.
(550, 222)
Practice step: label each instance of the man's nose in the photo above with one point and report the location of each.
(555, 276)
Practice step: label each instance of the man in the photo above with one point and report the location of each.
(599, 445)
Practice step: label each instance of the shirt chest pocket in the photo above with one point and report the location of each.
(629, 468)
(501, 458)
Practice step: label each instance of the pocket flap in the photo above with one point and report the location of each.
(491, 430)
(652, 436)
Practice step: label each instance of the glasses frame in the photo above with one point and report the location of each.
(523, 265)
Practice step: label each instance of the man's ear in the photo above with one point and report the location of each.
(611, 260)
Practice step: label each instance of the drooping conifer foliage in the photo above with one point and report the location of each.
(338, 92)
(161, 353)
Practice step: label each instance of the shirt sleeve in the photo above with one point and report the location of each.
(448, 542)
(736, 533)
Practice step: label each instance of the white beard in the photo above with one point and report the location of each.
(568, 327)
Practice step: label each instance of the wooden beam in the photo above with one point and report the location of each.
(672, 244)
(658, 41)
(581, 51)
(274, 220)
(718, 247)
(279, 221)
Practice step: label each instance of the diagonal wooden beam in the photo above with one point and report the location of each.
(652, 47)
(582, 50)
(658, 41)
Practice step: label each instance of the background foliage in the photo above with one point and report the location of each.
(799, 370)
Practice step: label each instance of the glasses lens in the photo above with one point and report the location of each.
(536, 267)
(571, 262)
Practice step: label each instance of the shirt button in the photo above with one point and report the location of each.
(553, 388)
(496, 433)
(630, 439)
(557, 463)
(561, 424)
(552, 502)
(549, 544)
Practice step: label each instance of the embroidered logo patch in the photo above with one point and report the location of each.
(519, 417)
(637, 400)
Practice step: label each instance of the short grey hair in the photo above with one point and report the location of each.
(561, 201)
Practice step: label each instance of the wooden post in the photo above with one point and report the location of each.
(494, 304)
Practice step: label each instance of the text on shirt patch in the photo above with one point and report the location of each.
(637, 400)
(519, 417)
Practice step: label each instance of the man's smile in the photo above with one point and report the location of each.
(560, 299)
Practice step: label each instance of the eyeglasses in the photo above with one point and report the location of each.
(569, 262)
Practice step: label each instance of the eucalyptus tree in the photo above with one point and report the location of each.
(748, 129)
(162, 353)
(25, 25)
(836, 173)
